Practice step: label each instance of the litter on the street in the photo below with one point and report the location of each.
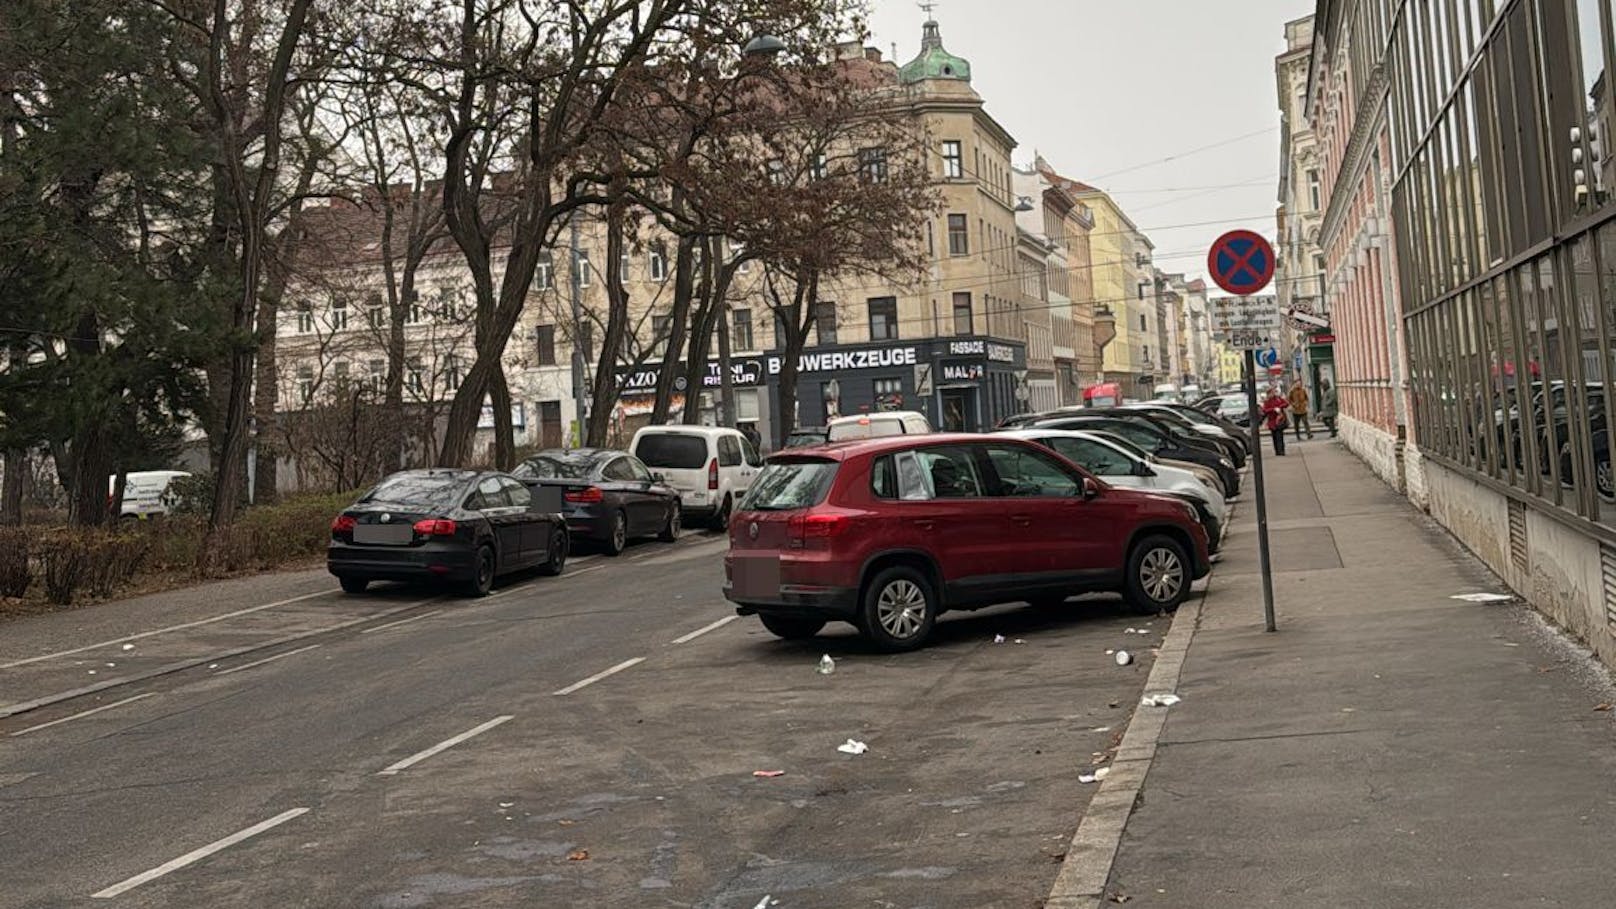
(1160, 700)
(1483, 597)
(826, 665)
(1098, 775)
(1137, 631)
(998, 639)
(129, 647)
(1124, 658)
(581, 855)
(852, 746)
(768, 774)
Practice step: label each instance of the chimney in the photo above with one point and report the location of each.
(872, 54)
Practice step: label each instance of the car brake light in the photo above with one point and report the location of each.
(804, 527)
(586, 494)
(343, 523)
(435, 527)
(712, 474)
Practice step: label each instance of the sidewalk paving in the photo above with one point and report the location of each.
(1389, 746)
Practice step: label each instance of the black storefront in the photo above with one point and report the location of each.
(962, 383)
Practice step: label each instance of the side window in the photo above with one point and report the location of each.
(1025, 472)
(729, 452)
(618, 469)
(520, 496)
(950, 471)
(884, 478)
(750, 453)
(490, 494)
(637, 471)
(1138, 435)
(1094, 457)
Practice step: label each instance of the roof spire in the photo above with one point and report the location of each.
(933, 61)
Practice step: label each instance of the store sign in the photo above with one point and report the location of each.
(963, 372)
(837, 360)
(745, 372)
(1001, 353)
(485, 420)
(976, 347)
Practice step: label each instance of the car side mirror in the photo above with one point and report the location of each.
(658, 478)
(1091, 489)
(1143, 470)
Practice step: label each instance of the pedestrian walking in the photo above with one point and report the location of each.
(1299, 404)
(1328, 405)
(1274, 408)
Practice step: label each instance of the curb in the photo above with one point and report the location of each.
(1087, 867)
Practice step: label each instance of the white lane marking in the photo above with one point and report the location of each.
(81, 714)
(763, 903)
(255, 663)
(198, 854)
(573, 574)
(626, 664)
(147, 634)
(704, 629)
(413, 618)
(444, 745)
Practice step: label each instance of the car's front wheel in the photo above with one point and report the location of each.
(557, 562)
(482, 573)
(791, 628)
(674, 526)
(899, 609)
(1158, 575)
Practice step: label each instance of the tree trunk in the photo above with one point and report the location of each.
(684, 279)
(13, 487)
(266, 388)
(715, 288)
(726, 375)
(605, 390)
(499, 393)
(792, 319)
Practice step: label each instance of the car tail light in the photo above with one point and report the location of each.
(712, 475)
(435, 527)
(586, 494)
(343, 523)
(813, 529)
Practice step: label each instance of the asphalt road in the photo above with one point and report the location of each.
(583, 741)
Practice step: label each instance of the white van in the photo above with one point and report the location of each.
(877, 425)
(711, 467)
(145, 492)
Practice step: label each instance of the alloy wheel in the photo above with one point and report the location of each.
(619, 534)
(1161, 574)
(901, 609)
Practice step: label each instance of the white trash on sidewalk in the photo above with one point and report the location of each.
(852, 746)
(1160, 700)
(826, 665)
(1124, 658)
(1483, 597)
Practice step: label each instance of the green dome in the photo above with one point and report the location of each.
(934, 62)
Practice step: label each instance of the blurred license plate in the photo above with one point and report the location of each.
(385, 534)
(757, 577)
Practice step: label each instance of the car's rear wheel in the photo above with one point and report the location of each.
(721, 517)
(617, 538)
(482, 573)
(557, 562)
(674, 526)
(1158, 575)
(792, 628)
(354, 585)
(899, 609)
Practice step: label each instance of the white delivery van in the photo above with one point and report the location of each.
(145, 492)
(712, 467)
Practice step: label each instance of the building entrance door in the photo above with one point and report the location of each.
(959, 410)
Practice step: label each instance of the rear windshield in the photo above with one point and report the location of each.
(672, 450)
(787, 485)
(427, 490)
(556, 467)
(875, 427)
(805, 439)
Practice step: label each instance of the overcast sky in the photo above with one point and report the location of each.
(1106, 90)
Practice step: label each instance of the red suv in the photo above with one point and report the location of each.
(888, 533)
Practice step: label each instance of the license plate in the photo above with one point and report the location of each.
(384, 534)
(757, 577)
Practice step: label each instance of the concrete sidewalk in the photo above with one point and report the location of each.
(1389, 746)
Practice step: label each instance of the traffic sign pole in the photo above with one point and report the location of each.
(1262, 498)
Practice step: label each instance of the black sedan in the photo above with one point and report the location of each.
(1157, 441)
(608, 497)
(464, 526)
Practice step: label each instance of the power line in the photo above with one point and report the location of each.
(1186, 154)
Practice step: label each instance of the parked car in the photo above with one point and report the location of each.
(464, 526)
(145, 492)
(1232, 444)
(890, 533)
(1123, 468)
(608, 497)
(710, 467)
(1158, 441)
(807, 437)
(1206, 475)
(875, 425)
(1234, 430)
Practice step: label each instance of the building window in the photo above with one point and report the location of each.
(661, 328)
(888, 394)
(305, 384)
(883, 319)
(451, 373)
(825, 322)
(377, 373)
(412, 308)
(1313, 188)
(586, 340)
(339, 315)
(821, 167)
(657, 264)
(375, 312)
(339, 371)
(415, 377)
(544, 274)
(305, 319)
(777, 172)
(580, 268)
(953, 159)
(962, 313)
(544, 344)
(449, 303)
(873, 164)
(959, 235)
(624, 267)
(741, 329)
(1144, 323)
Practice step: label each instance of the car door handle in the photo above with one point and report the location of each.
(1023, 520)
(925, 524)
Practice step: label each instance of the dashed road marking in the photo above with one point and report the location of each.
(444, 745)
(685, 639)
(626, 664)
(80, 715)
(198, 854)
(256, 663)
(413, 618)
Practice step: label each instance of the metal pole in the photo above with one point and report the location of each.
(579, 399)
(1262, 500)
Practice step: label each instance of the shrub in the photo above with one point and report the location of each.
(15, 572)
(64, 559)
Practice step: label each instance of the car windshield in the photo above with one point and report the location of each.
(425, 490)
(672, 450)
(871, 428)
(790, 484)
(559, 466)
(1126, 445)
